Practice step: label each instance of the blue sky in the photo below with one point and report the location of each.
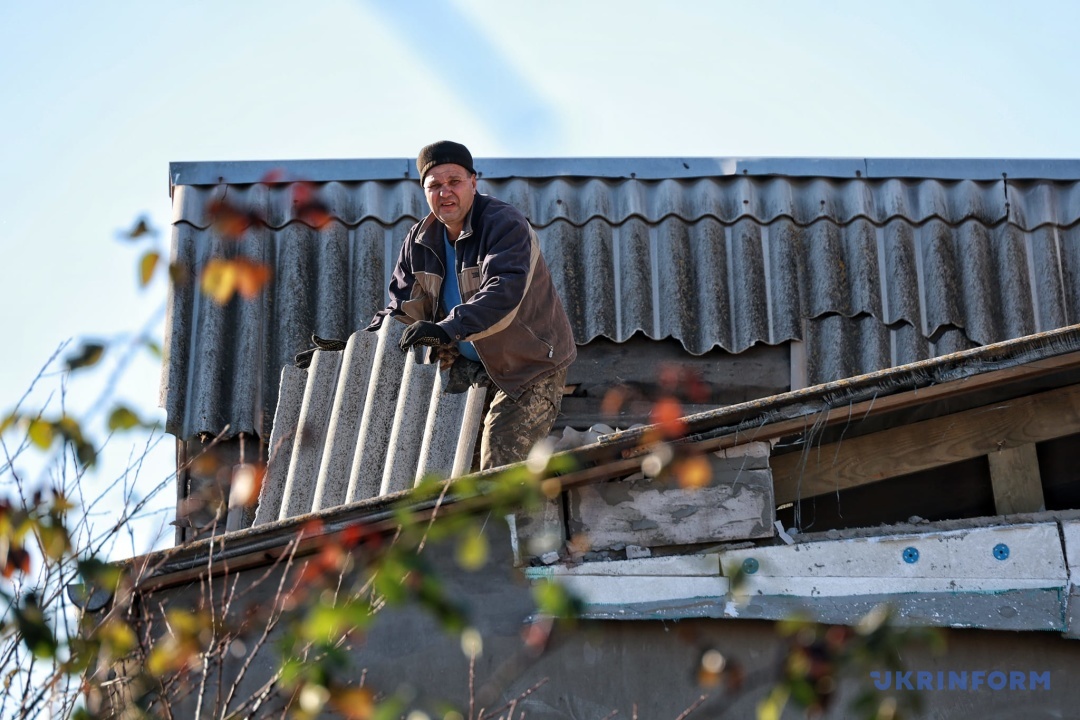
(100, 97)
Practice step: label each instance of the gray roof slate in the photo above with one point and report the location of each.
(868, 273)
(360, 423)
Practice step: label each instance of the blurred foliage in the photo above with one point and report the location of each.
(122, 656)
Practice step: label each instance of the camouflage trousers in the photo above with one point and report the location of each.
(511, 428)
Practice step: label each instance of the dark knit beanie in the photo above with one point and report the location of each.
(444, 151)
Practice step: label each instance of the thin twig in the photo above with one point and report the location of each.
(434, 512)
(694, 706)
(519, 698)
(472, 685)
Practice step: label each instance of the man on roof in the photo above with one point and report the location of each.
(471, 285)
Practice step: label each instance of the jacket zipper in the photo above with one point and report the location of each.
(550, 347)
(438, 298)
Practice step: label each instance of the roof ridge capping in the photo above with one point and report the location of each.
(642, 168)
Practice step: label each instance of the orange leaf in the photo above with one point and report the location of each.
(693, 472)
(275, 175)
(251, 276)
(668, 414)
(613, 401)
(354, 703)
(229, 220)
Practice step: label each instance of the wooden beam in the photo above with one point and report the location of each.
(927, 444)
(897, 401)
(1017, 483)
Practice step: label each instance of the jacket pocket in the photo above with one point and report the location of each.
(468, 282)
(548, 346)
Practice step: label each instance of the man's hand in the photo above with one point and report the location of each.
(423, 332)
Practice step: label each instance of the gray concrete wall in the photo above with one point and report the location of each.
(593, 668)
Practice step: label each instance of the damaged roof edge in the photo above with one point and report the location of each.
(904, 378)
(642, 168)
(255, 546)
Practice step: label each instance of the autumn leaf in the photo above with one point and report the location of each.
(54, 541)
(353, 703)
(100, 574)
(219, 280)
(179, 273)
(693, 473)
(141, 227)
(147, 264)
(117, 638)
(667, 413)
(472, 551)
(41, 433)
(251, 276)
(275, 175)
(16, 559)
(123, 418)
(61, 504)
(554, 600)
(88, 355)
(308, 208)
(33, 628)
(232, 221)
(8, 422)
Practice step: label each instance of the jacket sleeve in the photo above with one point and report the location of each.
(506, 264)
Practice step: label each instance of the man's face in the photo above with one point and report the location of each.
(449, 190)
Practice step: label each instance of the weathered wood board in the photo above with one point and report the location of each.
(927, 444)
(737, 503)
(1014, 473)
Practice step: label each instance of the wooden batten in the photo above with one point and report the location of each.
(1017, 482)
(932, 443)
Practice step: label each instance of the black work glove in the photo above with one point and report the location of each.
(423, 332)
(303, 358)
(465, 373)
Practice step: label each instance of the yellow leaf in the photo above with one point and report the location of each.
(41, 433)
(472, 551)
(61, 504)
(772, 707)
(89, 354)
(117, 637)
(122, 418)
(54, 541)
(147, 265)
(219, 280)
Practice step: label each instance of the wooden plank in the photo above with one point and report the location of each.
(897, 401)
(1014, 473)
(736, 503)
(919, 446)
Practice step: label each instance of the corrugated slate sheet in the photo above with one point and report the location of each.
(361, 423)
(867, 273)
